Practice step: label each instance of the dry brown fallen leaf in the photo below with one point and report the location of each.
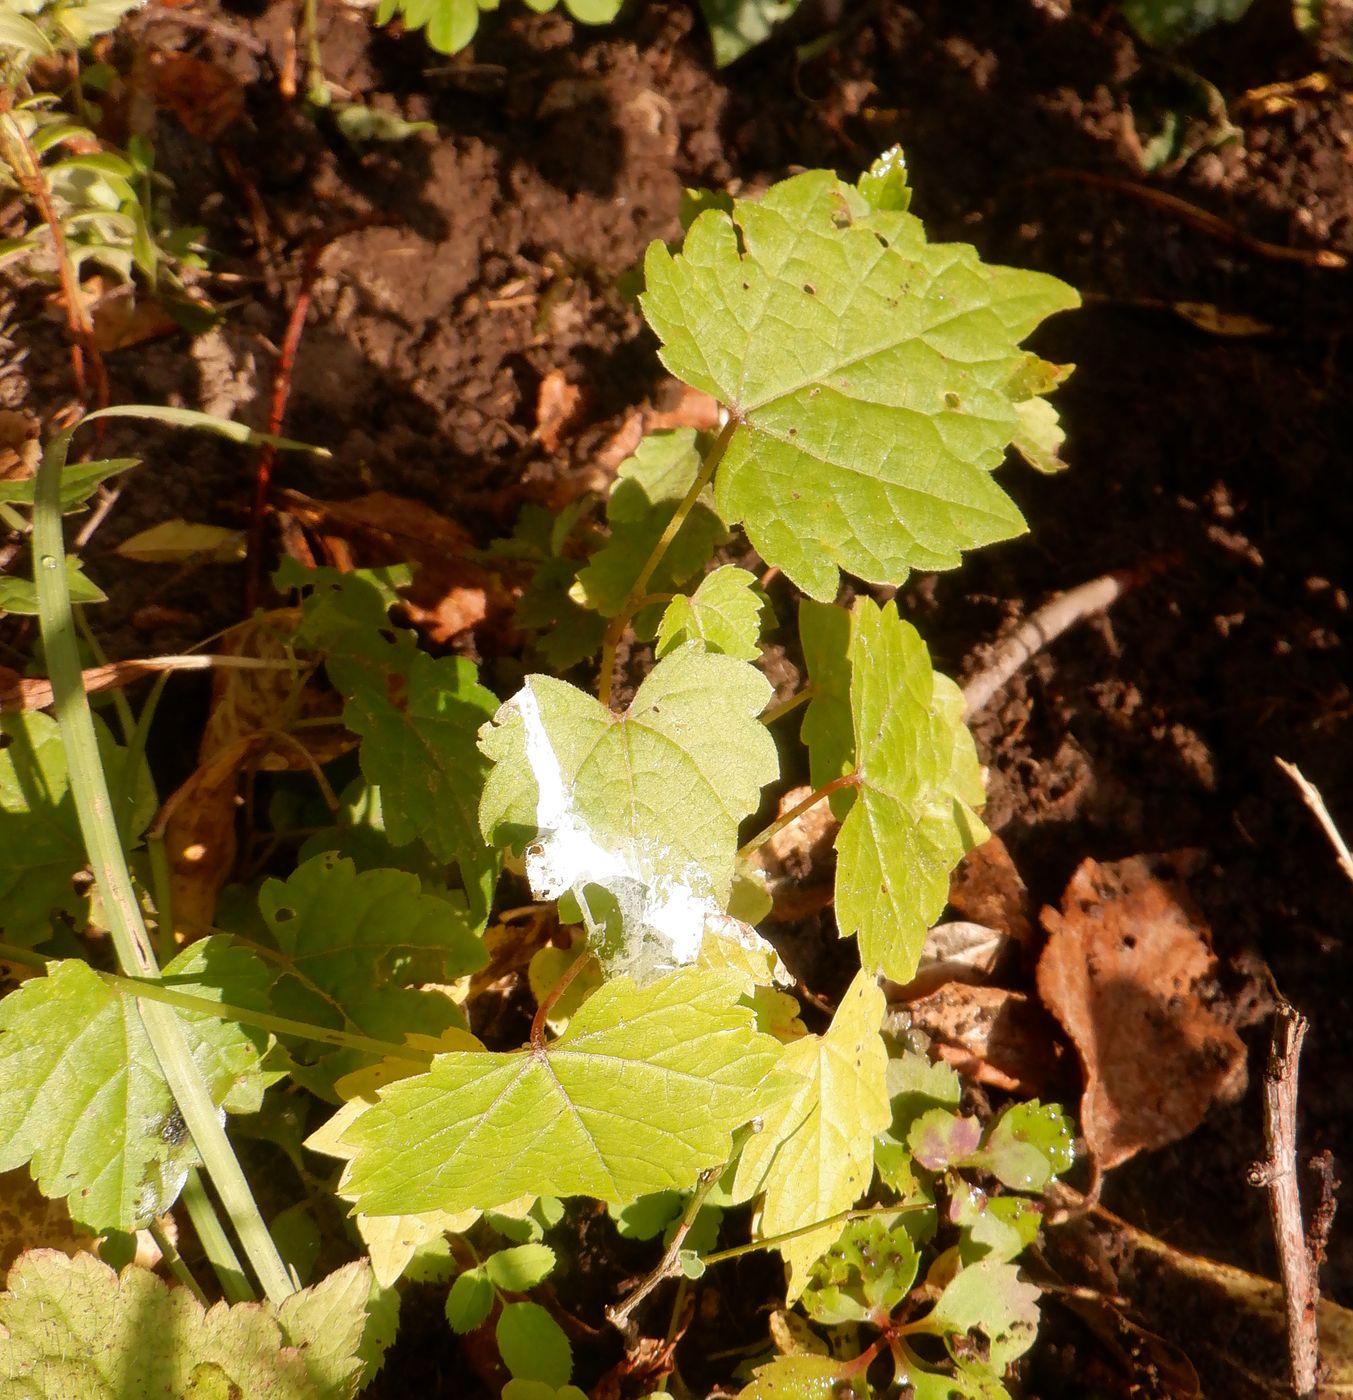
(988, 1034)
(987, 889)
(248, 726)
(558, 404)
(205, 98)
(450, 593)
(1121, 971)
(798, 860)
(29, 1220)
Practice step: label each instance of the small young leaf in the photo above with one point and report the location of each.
(640, 1094)
(919, 782)
(648, 488)
(1029, 1145)
(649, 1216)
(868, 1271)
(174, 541)
(533, 1345)
(1169, 22)
(723, 615)
(79, 481)
(990, 1297)
(20, 596)
(71, 1327)
(738, 25)
(940, 1139)
(470, 1301)
(81, 1094)
(869, 431)
(814, 1155)
(807, 1378)
(516, 1270)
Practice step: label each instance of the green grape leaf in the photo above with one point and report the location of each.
(738, 25)
(533, 1345)
(867, 370)
(641, 1093)
(82, 1099)
(522, 1267)
(418, 718)
(72, 1329)
(648, 488)
(815, 1153)
(866, 1273)
(357, 946)
(638, 812)
(827, 731)
(988, 1297)
(470, 1301)
(807, 1378)
(1029, 1144)
(919, 781)
(722, 615)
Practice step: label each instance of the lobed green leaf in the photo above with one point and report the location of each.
(82, 1097)
(641, 1093)
(919, 782)
(867, 368)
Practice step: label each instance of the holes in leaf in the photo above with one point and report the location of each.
(283, 915)
(6, 740)
(952, 400)
(810, 289)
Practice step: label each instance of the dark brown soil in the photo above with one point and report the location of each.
(1217, 459)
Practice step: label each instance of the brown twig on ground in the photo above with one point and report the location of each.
(1278, 1175)
(1311, 796)
(1043, 627)
(1202, 219)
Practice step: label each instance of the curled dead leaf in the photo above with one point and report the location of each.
(987, 889)
(988, 1034)
(557, 406)
(1121, 971)
(206, 99)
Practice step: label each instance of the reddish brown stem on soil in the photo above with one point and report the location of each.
(849, 780)
(1043, 627)
(281, 392)
(1201, 218)
(1278, 1174)
(78, 323)
(552, 1000)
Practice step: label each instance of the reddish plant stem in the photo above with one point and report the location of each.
(849, 780)
(552, 1000)
(78, 323)
(281, 392)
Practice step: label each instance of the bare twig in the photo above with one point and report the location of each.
(1311, 796)
(1278, 1175)
(1040, 629)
